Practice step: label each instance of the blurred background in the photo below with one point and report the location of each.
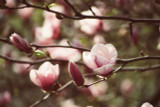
(125, 89)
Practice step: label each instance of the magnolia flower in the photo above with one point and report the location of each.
(96, 90)
(20, 43)
(22, 69)
(101, 59)
(75, 74)
(90, 26)
(99, 39)
(45, 76)
(146, 104)
(69, 103)
(5, 98)
(51, 27)
(25, 13)
(64, 53)
(126, 86)
(10, 3)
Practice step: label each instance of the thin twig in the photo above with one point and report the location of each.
(77, 13)
(88, 85)
(5, 40)
(62, 46)
(127, 19)
(51, 94)
(137, 59)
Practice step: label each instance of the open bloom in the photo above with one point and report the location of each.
(90, 26)
(101, 59)
(51, 27)
(64, 53)
(45, 76)
(20, 43)
(22, 69)
(75, 74)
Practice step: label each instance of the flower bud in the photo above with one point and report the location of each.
(75, 74)
(134, 36)
(20, 43)
(45, 76)
(120, 3)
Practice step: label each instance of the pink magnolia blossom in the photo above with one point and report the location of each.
(91, 26)
(51, 27)
(146, 104)
(126, 86)
(101, 59)
(10, 3)
(96, 90)
(25, 13)
(64, 53)
(20, 43)
(22, 69)
(5, 99)
(45, 76)
(69, 103)
(99, 39)
(75, 74)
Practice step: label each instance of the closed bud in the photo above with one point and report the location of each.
(120, 3)
(75, 74)
(134, 36)
(20, 43)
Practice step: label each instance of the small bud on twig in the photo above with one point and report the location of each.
(20, 43)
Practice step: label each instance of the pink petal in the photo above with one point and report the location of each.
(33, 77)
(89, 60)
(100, 49)
(104, 70)
(45, 68)
(100, 61)
(112, 52)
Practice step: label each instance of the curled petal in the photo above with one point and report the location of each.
(100, 61)
(104, 70)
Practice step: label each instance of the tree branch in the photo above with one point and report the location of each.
(77, 13)
(62, 46)
(51, 94)
(127, 19)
